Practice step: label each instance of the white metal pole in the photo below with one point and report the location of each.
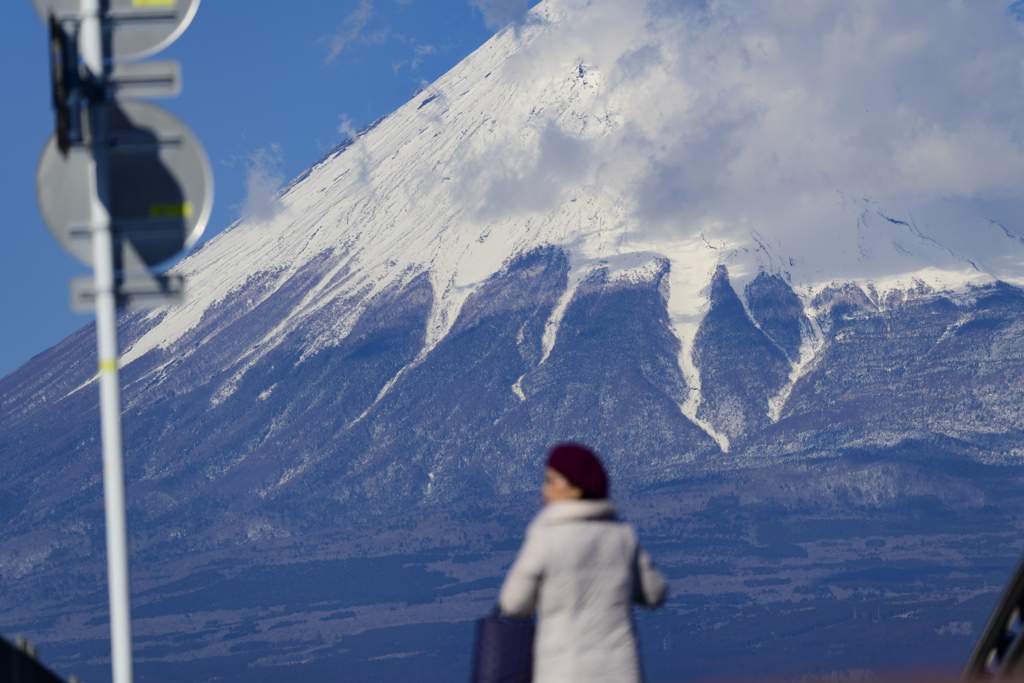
(91, 50)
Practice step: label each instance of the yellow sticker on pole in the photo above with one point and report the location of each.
(183, 210)
(154, 3)
(108, 365)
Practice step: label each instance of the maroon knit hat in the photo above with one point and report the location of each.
(581, 467)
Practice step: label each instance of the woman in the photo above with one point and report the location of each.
(580, 570)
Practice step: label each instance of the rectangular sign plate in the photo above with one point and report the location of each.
(146, 79)
(137, 291)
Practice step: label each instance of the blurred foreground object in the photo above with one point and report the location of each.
(123, 186)
(18, 664)
(998, 652)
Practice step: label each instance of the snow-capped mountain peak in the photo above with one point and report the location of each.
(627, 148)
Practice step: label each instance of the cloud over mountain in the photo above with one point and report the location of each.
(730, 116)
(499, 13)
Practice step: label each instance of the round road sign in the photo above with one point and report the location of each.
(161, 186)
(138, 27)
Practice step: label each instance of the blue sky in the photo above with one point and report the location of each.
(269, 87)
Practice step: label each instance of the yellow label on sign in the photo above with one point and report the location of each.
(171, 210)
(153, 3)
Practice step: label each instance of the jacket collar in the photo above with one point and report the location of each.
(576, 510)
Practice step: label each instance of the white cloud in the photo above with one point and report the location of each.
(348, 131)
(736, 113)
(532, 181)
(354, 31)
(501, 13)
(346, 128)
(264, 177)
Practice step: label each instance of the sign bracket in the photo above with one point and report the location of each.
(123, 186)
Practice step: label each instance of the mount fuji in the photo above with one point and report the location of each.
(753, 253)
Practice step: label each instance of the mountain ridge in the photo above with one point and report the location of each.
(467, 246)
(333, 447)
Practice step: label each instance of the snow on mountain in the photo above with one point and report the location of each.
(632, 133)
(748, 251)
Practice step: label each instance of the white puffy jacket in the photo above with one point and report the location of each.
(580, 570)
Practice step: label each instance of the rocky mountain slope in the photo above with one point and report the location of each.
(333, 446)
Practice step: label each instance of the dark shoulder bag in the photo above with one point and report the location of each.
(504, 650)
